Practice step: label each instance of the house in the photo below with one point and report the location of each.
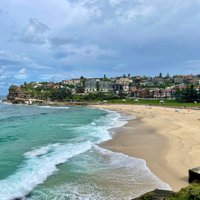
(94, 85)
(126, 88)
(37, 85)
(72, 82)
(124, 81)
(117, 88)
(178, 79)
(57, 86)
(133, 89)
(91, 85)
(162, 93)
(140, 93)
(105, 86)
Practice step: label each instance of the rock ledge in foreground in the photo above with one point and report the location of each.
(156, 195)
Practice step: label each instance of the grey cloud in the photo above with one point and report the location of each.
(61, 41)
(9, 62)
(60, 55)
(93, 37)
(118, 11)
(22, 74)
(14, 61)
(7, 58)
(35, 32)
(91, 50)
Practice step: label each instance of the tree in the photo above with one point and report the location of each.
(188, 94)
(105, 78)
(82, 80)
(80, 89)
(97, 85)
(60, 94)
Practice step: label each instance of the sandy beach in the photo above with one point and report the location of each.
(167, 138)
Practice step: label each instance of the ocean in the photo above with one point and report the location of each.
(52, 153)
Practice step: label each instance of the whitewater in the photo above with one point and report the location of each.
(53, 153)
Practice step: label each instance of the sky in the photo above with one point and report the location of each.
(53, 40)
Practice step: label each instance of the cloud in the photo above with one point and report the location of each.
(14, 61)
(61, 55)
(35, 32)
(192, 66)
(115, 2)
(6, 79)
(92, 37)
(90, 50)
(61, 41)
(15, 69)
(134, 13)
(22, 74)
(7, 58)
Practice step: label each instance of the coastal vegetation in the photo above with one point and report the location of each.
(188, 94)
(191, 192)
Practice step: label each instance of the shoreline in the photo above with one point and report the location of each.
(166, 140)
(125, 142)
(88, 103)
(163, 137)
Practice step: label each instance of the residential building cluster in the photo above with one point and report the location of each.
(157, 87)
(137, 86)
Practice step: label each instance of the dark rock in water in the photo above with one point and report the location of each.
(156, 195)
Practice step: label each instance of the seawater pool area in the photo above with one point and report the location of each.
(53, 153)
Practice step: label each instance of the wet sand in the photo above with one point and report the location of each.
(167, 138)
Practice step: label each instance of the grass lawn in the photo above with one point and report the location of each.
(172, 103)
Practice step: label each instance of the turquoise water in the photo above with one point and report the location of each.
(53, 153)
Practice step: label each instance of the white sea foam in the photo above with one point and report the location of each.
(100, 130)
(54, 107)
(6, 103)
(39, 164)
(125, 161)
(124, 177)
(93, 123)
